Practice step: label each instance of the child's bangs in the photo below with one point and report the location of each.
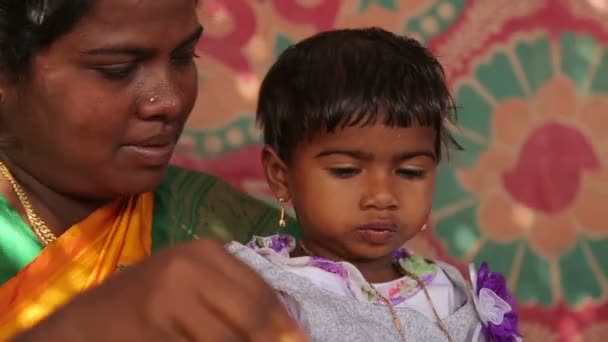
(392, 110)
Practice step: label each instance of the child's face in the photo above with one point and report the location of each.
(360, 192)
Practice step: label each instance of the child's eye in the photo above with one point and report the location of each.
(344, 172)
(117, 72)
(411, 173)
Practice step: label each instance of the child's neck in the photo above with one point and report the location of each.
(380, 270)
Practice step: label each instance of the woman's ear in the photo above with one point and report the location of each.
(276, 172)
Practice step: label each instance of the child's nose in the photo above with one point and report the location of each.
(379, 194)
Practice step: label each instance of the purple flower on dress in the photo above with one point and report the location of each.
(329, 266)
(279, 242)
(496, 306)
(400, 254)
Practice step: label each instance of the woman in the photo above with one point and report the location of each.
(93, 97)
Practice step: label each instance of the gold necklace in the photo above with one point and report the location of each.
(42, 231)
(391, 308)
(440, 323)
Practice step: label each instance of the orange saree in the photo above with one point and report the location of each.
(112, 237)
(34, 282)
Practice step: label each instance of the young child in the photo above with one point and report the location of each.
(354, 127)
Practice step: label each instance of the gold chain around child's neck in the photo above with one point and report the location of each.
(391, 308)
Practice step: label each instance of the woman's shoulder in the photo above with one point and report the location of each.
(177, 176)
(198, 192)
(196, 204)
(181, 184)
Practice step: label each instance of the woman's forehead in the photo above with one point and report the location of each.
(125, 10)
(143, 22)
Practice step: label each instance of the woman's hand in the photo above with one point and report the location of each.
(191, 292)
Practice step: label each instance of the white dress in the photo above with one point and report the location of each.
(312, 288)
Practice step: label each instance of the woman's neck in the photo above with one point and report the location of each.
(378, 270)
(59, 211)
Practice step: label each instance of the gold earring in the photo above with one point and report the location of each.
(424, 226)
(282, 220)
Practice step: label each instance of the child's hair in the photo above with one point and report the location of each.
(352, 77)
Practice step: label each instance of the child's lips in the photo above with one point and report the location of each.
(379, 226)
(377, 233)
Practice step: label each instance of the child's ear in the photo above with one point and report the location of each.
(276, 173)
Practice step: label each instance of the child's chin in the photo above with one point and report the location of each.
(371, 252)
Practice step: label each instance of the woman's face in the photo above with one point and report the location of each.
(100, 111)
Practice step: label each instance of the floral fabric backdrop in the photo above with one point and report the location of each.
(530, 193)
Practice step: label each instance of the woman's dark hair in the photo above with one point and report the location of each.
(353, 77)
(28, 26)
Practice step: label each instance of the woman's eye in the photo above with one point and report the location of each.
(117, 72)
(344, 172)
(185, 58)
(411, 173)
